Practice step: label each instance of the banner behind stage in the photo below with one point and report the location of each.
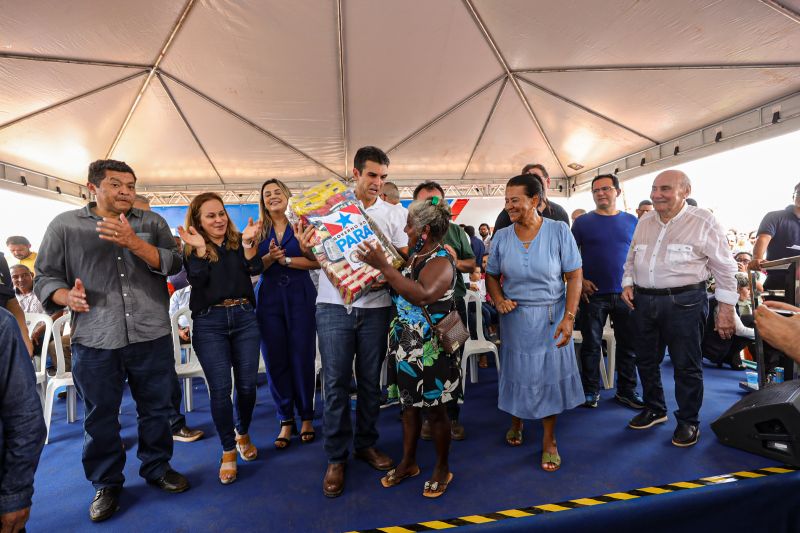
(471, 211)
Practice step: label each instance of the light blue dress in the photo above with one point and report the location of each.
(537, 379)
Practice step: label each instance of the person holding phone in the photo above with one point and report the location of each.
(286, 315)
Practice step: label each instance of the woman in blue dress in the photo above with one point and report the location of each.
(285, 309)
(534, 255)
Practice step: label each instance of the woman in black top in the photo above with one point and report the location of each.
(219, 263)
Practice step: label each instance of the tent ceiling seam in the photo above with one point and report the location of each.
(342, 84)
(485, 125)
(587, 109)
(153, 70)
(665, 67)
(501, 59)
(69, 100)
(783, 10)
(249, 122)
(445, 113)
(58, 59)
(191, 129)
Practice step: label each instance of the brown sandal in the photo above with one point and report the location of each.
(227, 468)
(391, 478)
(247, 450)
(434, 489)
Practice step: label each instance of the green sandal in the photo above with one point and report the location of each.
(552, 459)
(514, 437)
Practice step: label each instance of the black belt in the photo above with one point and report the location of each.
(671, 290)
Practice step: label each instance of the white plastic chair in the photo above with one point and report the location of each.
(608, 367)
(317, 374)
(191, 368)
(474, 347)
(61, 379)
(40, 366)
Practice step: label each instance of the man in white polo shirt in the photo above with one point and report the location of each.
(672, 253)
(358, 330)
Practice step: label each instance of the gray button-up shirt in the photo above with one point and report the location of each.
(128, 300)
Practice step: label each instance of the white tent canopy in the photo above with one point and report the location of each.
(222, 94)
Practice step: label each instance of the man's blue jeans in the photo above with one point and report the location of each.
(594, 314)
(99, 377)
(343, 335)
(678, 321)
(225, 338)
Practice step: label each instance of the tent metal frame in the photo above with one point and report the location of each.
(652, 155)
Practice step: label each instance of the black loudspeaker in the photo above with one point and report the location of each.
(765, 422)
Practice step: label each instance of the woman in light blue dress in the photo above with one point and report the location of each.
(534, 256)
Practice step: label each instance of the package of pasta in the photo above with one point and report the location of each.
(341, 226)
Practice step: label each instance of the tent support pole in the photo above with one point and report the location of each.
(588, 110)
(502, 60)
(69, 100)
(485, 125)
(444, 113)
(248, 122)
(191, 129)
(150, 75)
(342, 84)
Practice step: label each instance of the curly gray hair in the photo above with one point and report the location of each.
(423, 213)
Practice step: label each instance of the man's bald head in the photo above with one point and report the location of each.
(676, 177)
(669, 192)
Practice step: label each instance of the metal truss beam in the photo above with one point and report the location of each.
(75, 60)
(774, 118)
(667, 67)
(26, 180)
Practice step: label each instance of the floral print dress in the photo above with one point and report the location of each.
(425, 376)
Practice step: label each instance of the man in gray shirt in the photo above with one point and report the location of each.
(108, 263)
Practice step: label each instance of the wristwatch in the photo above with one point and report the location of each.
(287, 261)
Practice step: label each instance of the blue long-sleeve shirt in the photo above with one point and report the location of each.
(22, 429)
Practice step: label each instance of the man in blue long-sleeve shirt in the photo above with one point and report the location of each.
(22, 430)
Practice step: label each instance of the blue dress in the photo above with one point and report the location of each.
(285, 308)
(537, 379)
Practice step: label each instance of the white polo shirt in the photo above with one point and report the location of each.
(392, 222)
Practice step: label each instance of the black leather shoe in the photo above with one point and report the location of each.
(647, 419)
(171, 481)
(685, 435)
(105, 503)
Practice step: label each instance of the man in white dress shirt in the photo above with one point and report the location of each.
(674, 251)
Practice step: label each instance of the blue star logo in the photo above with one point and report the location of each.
(344, 220)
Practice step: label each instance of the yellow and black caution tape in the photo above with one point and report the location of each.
(523, 512)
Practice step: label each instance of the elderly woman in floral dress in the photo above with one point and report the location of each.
(426, 376)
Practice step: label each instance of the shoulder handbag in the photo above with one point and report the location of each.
(450, 331)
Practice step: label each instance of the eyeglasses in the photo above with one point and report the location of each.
(602, 189)
(743, 260)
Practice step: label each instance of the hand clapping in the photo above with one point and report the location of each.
(117, 231)
(191, 237)
(252, 230)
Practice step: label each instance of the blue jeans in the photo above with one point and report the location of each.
(677, 321)
(99, 377)
(225, 338)
(342, 335)
(594, 314)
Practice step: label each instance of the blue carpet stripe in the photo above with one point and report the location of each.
(524, 512)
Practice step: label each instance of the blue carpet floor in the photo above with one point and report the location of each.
(281, 491)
